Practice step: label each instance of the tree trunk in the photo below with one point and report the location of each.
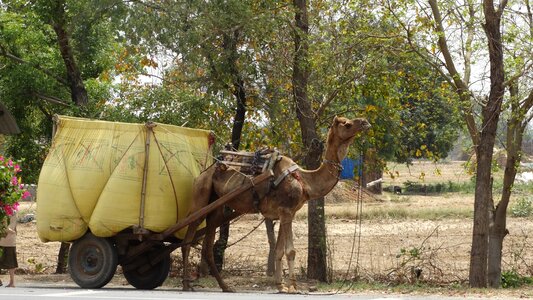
(372, 170)
(62, 258)
(78, 92)
(490, 116)
(495, 258)
(316, 258)
(239, 92)
(480, 238)
(515, 133)
(498, 230)
(219, 248)
(317, 251)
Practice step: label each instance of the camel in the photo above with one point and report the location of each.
(279, 199)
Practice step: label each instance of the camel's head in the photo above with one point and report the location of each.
(345, 129)
(342, 133)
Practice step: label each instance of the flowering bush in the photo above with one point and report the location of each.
(11, 190)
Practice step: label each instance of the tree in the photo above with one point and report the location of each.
(444, 55)
(47, 47)
(216, 45)
(316, 253)
(72, 46)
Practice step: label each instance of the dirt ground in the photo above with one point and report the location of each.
(389, 249)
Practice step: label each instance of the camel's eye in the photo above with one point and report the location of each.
(348, 125)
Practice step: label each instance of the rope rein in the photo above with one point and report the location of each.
(246, 235)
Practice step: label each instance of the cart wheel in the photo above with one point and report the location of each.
(92, 261)
(148, 276)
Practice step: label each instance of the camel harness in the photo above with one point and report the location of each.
(255, 163)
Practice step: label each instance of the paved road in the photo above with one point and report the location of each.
(56, 293)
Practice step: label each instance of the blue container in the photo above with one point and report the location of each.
(349, 166)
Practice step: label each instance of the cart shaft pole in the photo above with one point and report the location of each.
(218, 203)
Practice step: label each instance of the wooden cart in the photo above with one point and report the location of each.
(143, 255)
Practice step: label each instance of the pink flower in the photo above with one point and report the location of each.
(1, 158)
(26, 195)
(14, 181)
(17, 168)
(10, 163)
(15, 206)
(8, 209)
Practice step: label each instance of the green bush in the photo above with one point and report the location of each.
(511, 279)
(523, 207)
(411, 187)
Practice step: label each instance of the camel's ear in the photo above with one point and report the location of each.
(337, 120)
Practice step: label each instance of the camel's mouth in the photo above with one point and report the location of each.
(364, 125)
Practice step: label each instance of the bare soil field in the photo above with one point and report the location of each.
(379, 249)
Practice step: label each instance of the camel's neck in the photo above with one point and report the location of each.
(321, 181)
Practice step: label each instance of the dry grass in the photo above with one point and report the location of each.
(425, 172)
(392, 212)
(380, 241)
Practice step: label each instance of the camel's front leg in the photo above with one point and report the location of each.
(285, 246)
(200, 194)
(185, 250)
(290, 253)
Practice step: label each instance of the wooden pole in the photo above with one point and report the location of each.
(149, 131)
(218, 203)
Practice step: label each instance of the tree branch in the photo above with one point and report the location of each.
(44, 111)
(51, 99)
(19, 60)
(335, 92)
(516, 76)
(527, 103)
(501, 7)
(462, 88)
(416, 50)
(469, 41)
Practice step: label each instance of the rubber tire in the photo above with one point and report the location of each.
(92, 261)
(153, 277)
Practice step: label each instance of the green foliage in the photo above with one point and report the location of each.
(32, 68)
(221, 46)
(523, 207)
(429, 114)
(404, 214)
(37, 266)
(198, 51)
(511, 279)
(411, 187)
(412, 253)
(361, 58)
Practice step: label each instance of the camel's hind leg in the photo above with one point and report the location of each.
(213, 220)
